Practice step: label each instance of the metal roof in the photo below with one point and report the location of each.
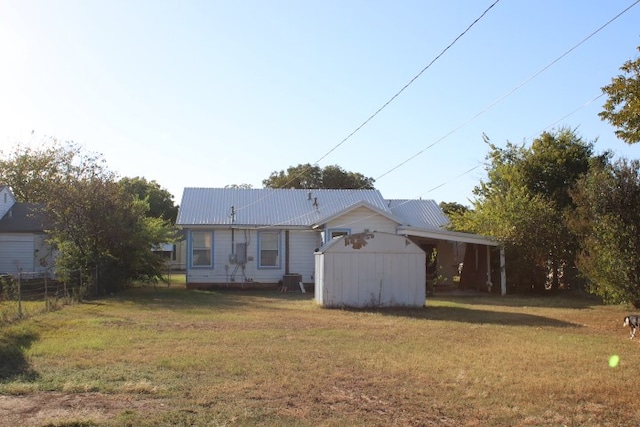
(425, 214)
(265, 207)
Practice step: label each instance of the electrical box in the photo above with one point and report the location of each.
(241, 253)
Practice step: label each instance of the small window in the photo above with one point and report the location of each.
(269, 249)
(337, 233)
(201, 248)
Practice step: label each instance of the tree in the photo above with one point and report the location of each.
(622, 108)
(525, 201)
(607, 204)
(309, 176)
(452, 209)
(32, 173)
(98, 227)
(160, 201)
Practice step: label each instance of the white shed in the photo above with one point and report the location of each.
(370, 270)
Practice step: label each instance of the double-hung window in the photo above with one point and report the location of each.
(269, 249)
(201, 248)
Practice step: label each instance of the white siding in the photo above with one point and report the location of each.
(302, 245)
(301, 248)
(361, 219)
(6, 200)
(388, 271)
(16, 253)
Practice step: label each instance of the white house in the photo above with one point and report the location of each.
(267, 237)
(23, 247)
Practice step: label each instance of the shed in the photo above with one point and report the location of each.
(370, 270)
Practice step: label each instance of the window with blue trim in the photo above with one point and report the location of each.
(269, 249)
(334, 233)
(201, 248)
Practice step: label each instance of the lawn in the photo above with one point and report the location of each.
(173, 357)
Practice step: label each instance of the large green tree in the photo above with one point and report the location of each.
(622, 108)
(161, 204)
(309, 176)
(525, 201)
(100, 230)
(607, 204)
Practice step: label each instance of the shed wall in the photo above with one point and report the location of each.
(387, 271)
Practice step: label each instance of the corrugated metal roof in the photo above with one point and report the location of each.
(262, 207)
(293, 207)
(425, 214)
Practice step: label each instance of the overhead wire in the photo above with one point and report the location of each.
(507, 94)
(483, 111)
(390, 100)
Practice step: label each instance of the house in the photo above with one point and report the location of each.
(23, 246)
(173, 254)
(268, 237)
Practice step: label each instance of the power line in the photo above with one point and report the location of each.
(510, 92)
(363, 124)
(489, 107)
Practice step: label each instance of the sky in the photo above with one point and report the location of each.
(219, 92)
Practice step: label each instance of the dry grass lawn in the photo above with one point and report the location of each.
(172, 357)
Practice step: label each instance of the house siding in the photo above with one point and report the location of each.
(360, 219)
(301, 247)
(17, 253)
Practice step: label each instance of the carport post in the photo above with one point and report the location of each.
(503, 272)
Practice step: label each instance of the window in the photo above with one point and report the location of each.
(201, 248)
(269, 249)
(337, 232)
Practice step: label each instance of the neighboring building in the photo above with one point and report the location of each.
(267, 237)
(174, 253)
(23, 246)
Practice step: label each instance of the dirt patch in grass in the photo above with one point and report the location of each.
(54, 408)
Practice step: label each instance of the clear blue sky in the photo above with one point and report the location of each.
(211, 93)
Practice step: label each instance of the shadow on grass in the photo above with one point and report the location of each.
(483, 316)
(181, 298)
(468, 315)
(13, 363)
(557, 300)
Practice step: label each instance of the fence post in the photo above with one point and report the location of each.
(46, 295)
(20, 295)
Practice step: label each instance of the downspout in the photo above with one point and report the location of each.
(286, 252)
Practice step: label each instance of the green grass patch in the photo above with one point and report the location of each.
(166, 356)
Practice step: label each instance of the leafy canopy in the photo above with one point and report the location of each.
(622, 108)
(99, 227)
(524, 203)
(607, 221)
(309, 176)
